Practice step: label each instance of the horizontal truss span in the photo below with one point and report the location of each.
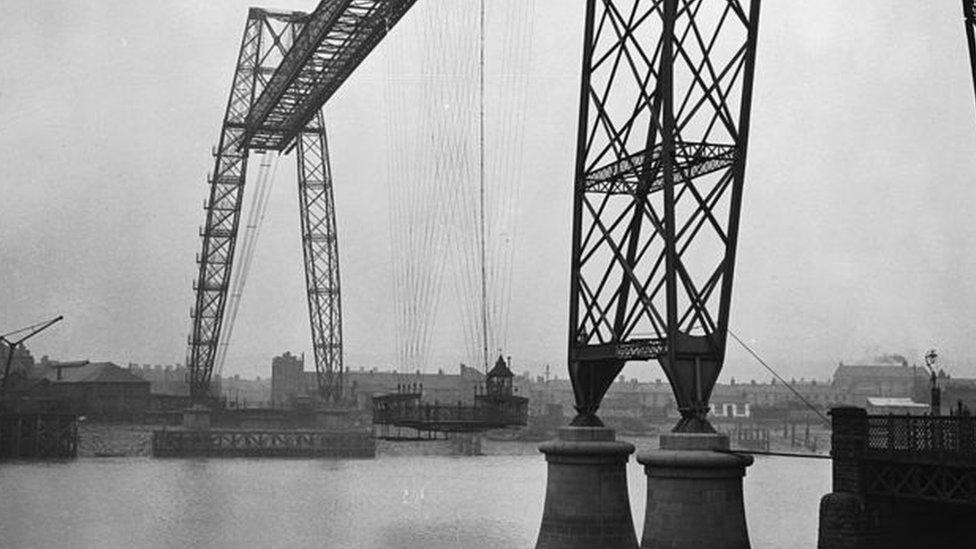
(690, 161)
(336, 38)
(262, 443)
(633, 349)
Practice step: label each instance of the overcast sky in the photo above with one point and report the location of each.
(855, 237)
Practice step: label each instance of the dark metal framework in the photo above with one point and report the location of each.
(930, 458)
(266, 39)
(661, 153)
(290, 64)
(12, 345)
(320, 247)
(969, 20)
(338, 35)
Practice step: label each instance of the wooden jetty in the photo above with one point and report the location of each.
(38, 436)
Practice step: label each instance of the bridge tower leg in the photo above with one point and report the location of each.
(694, 489)
(223, 213)
(969, 20)
(321, 254)
(665, 103)
(267, 38)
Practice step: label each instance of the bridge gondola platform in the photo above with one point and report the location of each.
(496, 407)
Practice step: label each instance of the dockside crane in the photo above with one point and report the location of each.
(12, 345)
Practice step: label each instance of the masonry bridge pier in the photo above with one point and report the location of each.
(900, 481)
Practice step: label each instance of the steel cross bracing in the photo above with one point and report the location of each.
(321, 251)
(289, 65)
(939, 482)
(338, 35)
(969, 20)
(267, 38)
(661, 150)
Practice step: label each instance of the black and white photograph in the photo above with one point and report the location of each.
(488, 274)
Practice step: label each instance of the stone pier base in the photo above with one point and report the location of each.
(333, 418)
(694, 494)
(844, 522)
(196, 418)
(587, 504)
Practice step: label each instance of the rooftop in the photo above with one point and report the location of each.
(892, 402)
(92, 372)
(872, 370)
(500, 369)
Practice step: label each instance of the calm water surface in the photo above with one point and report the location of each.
(392, 501)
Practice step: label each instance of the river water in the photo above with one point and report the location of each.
(393, 501)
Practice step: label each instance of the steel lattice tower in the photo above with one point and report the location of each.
(969, 20)
(661, 154)
(261, 48)
(321, 251)
(267, 39)
(290, 64)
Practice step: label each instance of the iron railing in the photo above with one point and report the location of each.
(926, 438)
(450, 417)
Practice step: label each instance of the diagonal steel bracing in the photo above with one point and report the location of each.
(267, 38)
(290, 64)
(969, 20)
(321, 251)
(338, 36)
(661, 147)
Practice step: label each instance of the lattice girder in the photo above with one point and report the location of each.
(969, 21)
(267, 37)
(931, 482)
(321, 253)
(664, 117)
(337, 37)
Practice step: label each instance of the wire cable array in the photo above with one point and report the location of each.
(257, 208)
(455, 128)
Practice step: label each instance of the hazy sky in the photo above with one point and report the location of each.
(855, 236)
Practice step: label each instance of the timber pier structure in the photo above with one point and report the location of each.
(38, 435)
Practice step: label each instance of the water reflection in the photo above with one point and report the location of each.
(421, 501)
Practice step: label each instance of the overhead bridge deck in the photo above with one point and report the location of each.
(333, 41)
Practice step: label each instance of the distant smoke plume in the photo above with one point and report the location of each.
(891, 358)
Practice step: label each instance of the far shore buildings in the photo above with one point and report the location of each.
(290, 381)
(106, 390)
(627, 398)
(95, 390)
(631, 400)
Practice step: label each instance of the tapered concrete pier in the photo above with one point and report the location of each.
(587, 504)
(694, 493)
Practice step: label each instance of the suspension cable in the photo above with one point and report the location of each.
(779, 377)
(481, 179)
(257, 210)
